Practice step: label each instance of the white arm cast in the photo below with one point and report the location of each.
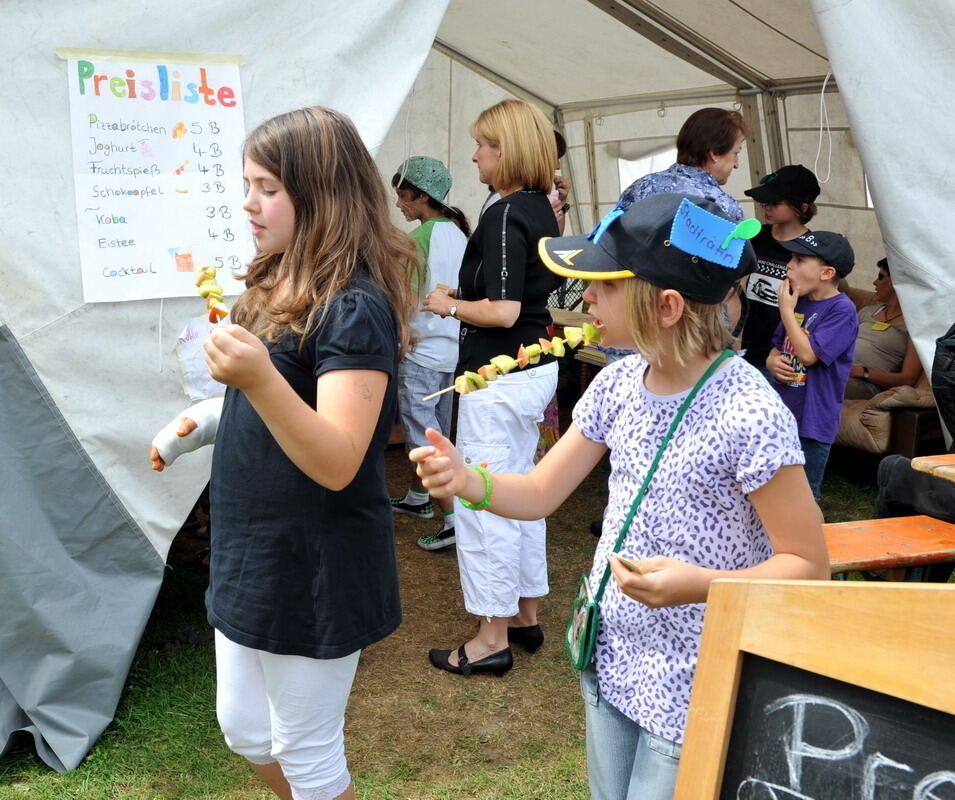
(206, 415)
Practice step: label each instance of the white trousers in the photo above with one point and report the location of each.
(502, 560)
(289, 709)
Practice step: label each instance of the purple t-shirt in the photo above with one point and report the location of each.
(734, 438)
(832, 325)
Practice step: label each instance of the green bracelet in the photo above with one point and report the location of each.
(488, 490)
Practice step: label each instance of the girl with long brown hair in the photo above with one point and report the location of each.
(299, 507)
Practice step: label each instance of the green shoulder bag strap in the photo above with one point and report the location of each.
(656, 460)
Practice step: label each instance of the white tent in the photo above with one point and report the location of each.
(619, 77)
(86, 527)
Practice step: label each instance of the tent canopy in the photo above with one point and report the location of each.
(579, 54)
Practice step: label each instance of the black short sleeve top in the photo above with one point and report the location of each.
(501, 263)
(296, 568)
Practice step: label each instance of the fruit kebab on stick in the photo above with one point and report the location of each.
(527, 354)
(209, 288)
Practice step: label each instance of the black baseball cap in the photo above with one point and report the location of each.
(637, 243)
(793, 182)
(832, 248)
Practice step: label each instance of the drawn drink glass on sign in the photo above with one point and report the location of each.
(182, 260)
(156, 143)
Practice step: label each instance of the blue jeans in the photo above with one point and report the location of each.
(817, 454)
(624, 760)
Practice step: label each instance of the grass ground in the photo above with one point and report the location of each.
(413, 733)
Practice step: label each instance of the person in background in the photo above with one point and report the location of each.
(884, 355)
(422, 184)
(558, 194)
(737, 449)
(787, 197)
(813, 344)
(501, 301)
(707, 151)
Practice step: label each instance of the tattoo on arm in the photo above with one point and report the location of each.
(362, 390)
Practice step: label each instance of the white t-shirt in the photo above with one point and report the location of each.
(437, 347)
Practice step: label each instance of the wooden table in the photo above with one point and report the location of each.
(942, 466)
(892, 544)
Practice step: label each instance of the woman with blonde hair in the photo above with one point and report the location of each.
(299, 508)
(501, 303)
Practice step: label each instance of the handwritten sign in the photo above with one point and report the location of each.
(158, 174)
(797, 734)
(818, 690)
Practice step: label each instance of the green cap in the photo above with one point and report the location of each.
(427, 174)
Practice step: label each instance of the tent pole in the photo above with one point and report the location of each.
(591, 168)
(645, 19)
(494, 77)
(575, 206)
(641, 102)
(749, 108)
(774, 136)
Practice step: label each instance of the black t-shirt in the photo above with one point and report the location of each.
(298, 569)
(501, 263)
(762, 292)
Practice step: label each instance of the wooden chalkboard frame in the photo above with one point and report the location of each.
(891, 638)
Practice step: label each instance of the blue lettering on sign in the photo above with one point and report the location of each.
(699, 233)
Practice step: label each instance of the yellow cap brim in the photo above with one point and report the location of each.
(561, 262)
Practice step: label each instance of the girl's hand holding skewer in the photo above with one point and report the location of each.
(443, 472)
(237, 358)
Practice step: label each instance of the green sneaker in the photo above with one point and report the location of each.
(423, 511)
(438, 541)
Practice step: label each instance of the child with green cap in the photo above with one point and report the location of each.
(422, 183)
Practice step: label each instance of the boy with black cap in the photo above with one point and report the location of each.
(814, 343)
(787, 197)
(706, 471)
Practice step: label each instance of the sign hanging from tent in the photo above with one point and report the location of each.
(157, 141)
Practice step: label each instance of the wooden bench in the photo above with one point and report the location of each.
(942, 466)
(892, 544)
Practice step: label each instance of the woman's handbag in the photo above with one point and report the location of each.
(581, 633)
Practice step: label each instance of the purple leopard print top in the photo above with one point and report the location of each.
(734, 437)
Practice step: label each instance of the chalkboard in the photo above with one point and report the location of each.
(799, 734)
(818, 690)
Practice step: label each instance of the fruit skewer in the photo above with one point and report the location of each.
(526, 355)
(209, 288)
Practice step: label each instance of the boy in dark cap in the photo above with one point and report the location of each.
(787, 197)
(814, 343)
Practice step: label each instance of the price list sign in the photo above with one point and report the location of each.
(158, 173)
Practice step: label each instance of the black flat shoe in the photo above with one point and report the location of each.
(497, 663)
(530, 637)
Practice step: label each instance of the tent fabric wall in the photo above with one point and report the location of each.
(894, 64)
(79, 578)
(107, 371)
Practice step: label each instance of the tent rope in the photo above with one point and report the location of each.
(824, 123)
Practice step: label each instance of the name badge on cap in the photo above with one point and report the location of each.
(712, 238)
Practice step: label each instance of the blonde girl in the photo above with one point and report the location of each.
(299, 508)
(729, 497)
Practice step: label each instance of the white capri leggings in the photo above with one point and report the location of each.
(502, 560)
(289, 709)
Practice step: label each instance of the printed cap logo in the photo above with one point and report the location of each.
(567, 256)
